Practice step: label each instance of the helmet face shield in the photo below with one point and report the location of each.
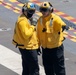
(44, 9)
(31, 8)
(28, 9)
(31, 11)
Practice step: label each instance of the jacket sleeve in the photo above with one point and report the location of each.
(59, 23)
(25, 29)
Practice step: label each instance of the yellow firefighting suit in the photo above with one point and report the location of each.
(49, 31)
(25, 38)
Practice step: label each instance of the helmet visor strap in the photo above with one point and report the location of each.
(31, 11)
(44, 9)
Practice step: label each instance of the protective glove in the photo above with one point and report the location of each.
(38, 51)
(65, 28)
(33, 21)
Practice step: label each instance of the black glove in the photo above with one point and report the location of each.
(65, 28)
(38, 51)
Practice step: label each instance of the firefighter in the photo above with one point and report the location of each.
(25, 39)
(50, 29)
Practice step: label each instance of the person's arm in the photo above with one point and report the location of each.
(59, 24)
(25, 29)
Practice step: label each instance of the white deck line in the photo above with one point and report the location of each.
(12, 60)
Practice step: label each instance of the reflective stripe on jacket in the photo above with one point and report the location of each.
(25, 35)
(53, 36)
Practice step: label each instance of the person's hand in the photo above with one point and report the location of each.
(33, 21)
(67, 27)
(38, 51)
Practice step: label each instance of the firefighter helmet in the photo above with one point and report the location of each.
(29, 7)
(46, 6)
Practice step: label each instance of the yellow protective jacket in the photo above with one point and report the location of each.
(25, 35)
(53, 37)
